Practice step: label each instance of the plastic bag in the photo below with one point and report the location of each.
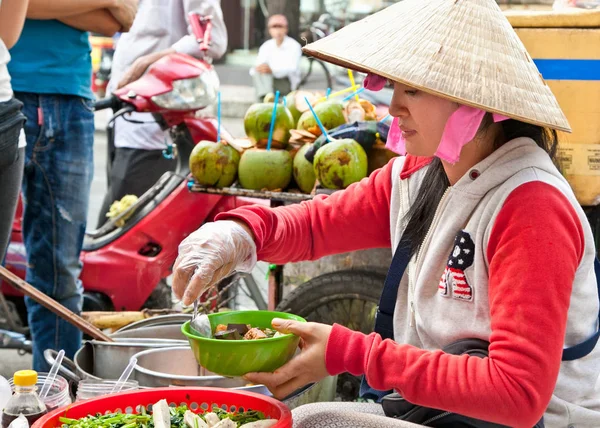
(5, 393)
(20, 422)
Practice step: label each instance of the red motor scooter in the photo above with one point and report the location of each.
(125, 268)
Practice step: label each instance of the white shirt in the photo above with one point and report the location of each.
(6, 92)
(283, 60)
(5, 88)
(160, 25)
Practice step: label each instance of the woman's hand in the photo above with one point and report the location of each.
(307, 367)
(210, 254)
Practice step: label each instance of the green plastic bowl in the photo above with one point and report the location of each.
(238, 357)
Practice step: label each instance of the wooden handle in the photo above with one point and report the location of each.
(52, 305)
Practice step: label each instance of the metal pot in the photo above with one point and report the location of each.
(107, 360)
(150, 372)
(111, 358)
(173, 319)
(178, 367)
(165, 332)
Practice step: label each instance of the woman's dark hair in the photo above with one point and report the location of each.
(435, 182)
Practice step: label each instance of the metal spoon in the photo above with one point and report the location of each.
(200, 324)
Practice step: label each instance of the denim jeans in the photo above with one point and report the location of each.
(56, 188)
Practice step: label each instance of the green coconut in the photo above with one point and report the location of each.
(214, 164)
(296, 103)
(257, 123)
(265, 169)
(340, 163)
(269, 98)
(304, 173)
(330, 113)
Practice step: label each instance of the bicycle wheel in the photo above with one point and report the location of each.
(349, 298)
(318, 77)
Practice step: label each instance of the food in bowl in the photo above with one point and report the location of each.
(237, 357)
(243, 332)
(163, 416)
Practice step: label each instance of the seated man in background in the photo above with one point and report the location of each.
(160, 28)
(278, 62)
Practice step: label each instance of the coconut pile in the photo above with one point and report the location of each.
(300, 158)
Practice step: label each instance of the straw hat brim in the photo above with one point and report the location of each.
(357, 67)
(531, 101)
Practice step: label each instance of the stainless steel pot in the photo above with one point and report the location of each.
(178, 367)
(150, 372)
(107, 360)
(173, 319)
(165, 332)
(111, 358)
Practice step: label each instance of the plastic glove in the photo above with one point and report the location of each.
(208, 255)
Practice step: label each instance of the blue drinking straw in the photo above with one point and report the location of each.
(218, 117)
(358, 91)
(284, 101)
(273, 115)
(328, 93)
(323, 130)
(386, 118)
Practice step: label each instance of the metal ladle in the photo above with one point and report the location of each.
(200, 324)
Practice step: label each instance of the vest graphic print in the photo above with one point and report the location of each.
(454, 282)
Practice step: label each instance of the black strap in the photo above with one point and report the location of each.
(384, 317)
(582, 349)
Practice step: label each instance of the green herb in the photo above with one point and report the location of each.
(113, 420)
(239, 418)
(144, 420)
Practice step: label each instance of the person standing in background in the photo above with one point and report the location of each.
(160, 28)
(278, 62)
(51, 69)
(12, 138)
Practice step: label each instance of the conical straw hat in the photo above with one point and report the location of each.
(462, 50)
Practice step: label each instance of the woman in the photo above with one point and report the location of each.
(499, 248)
(12, 138)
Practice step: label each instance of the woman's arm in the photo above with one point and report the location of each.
(97, 21)
(353, 219)
(534, 250)
(12, 18)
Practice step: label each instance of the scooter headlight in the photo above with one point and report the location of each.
(191, 94)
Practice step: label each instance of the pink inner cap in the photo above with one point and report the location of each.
(460, 128)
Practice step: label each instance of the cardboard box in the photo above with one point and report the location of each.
(566, 49)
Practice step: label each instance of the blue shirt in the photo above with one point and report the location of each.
(52, 58)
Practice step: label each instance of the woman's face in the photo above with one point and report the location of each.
(422, 118)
